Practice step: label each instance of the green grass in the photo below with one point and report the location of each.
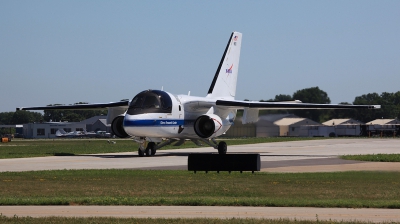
(60, 147)
(133, 187)
(98, 220)
(374, 157)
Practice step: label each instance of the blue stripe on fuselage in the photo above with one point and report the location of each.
(152, 122)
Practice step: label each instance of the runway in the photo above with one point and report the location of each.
(298, 156)
(220, 212)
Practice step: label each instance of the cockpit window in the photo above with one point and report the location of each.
(137, 101)
(166, 102)
(150, 101)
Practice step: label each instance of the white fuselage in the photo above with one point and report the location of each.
(179, 123)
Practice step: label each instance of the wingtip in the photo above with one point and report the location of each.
(377, 106)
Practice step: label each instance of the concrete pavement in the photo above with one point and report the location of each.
(222, 212)
(299, 156)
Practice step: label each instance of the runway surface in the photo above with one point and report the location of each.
(299, 156)
(222, 212)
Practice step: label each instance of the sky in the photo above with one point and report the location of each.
(64, 52)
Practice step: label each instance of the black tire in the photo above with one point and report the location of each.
(140, 152)
(222, 148)
(150, 149)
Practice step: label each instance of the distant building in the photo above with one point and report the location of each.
(49, 129)
(296, 126)
(101, 125)
(273, 125)
(266, 126)
(383, 127)
(19, 129)
(345, 127)
(91, 121)
(389, 123)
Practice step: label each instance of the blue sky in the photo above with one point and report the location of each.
(104, 51)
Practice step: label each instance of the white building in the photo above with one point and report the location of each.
(49, 129)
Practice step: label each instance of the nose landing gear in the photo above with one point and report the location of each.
(150, 148)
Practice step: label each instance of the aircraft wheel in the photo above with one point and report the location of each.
(140, 152)
(150, 149)
(222, 148)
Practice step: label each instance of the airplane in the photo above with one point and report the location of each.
(156, 118)
(73, 134)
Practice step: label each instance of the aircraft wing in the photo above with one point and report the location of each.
(251, 108)
(79, 106)
(114, 108)
(288, 105)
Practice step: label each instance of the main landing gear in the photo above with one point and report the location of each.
(222, 147)
(150, 148)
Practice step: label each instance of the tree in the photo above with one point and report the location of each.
(6, 117)
(312, 95)
(24, 117)
(278, 98)
(283, 97)
(53, 115)
(390, 106)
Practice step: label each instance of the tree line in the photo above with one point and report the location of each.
(390, 108)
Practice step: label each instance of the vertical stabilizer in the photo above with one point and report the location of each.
(225, 79)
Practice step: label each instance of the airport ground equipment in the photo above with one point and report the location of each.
(223, 162)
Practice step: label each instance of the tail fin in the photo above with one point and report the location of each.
(224, 82)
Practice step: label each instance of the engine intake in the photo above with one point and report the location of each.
(117, 127)
(207, 125)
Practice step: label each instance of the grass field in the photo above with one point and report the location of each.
(60, 147)
(374, 157)
(134, 187)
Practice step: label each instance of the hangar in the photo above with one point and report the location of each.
(273, 125)
(97, 123)
(345, 127)
(296, 126)
(382, 127)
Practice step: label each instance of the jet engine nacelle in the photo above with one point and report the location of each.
(208, 126)
(117, 127)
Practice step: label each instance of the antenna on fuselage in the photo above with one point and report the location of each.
(162, 88)
(189, 93)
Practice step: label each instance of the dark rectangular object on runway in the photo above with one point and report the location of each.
(227, 162)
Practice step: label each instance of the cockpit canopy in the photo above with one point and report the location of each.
(150, 101)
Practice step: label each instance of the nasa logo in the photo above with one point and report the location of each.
(229, 70)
